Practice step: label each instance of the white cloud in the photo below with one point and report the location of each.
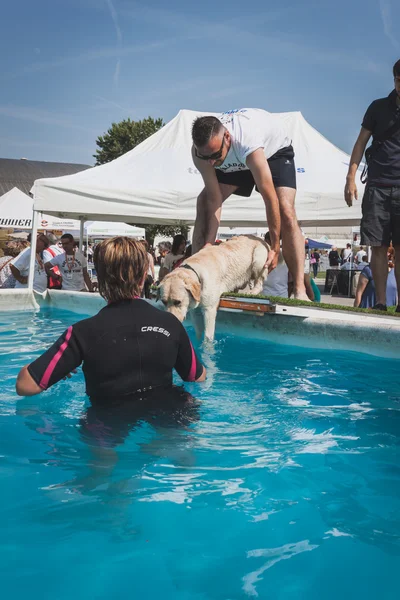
(387, 19)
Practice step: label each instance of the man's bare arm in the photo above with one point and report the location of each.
(17, 275)
(259, 167)
(87, 279)
(211, 208)
(350, 190)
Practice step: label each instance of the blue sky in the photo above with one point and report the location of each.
(69, 68)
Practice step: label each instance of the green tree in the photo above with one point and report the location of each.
(119, 139)
(123, 136)
(167, 230)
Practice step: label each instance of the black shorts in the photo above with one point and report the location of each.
(282, 169)
(380, 223)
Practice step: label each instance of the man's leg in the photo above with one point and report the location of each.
(292, 240)
(205, 220)
(379, 268)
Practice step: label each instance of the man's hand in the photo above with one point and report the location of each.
(272, 260)
(350, 191)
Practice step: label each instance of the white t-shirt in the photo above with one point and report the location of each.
(71, 268)
(151, 265)
(360, 254)
(21, 262)
(171, 259)
(347, 254)
(276, 283)
(250, 129)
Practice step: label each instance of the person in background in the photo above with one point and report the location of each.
(276, 283)
(359, 256)
(314, 261)
(176, 254)
(363, 263)
(188, 254)
(72, 265)
(347, 266)
(11, 250)
(334, 258)
(347, 254)
(129, 348)
(366, 293)
(89, 252)
(20, 266)
(55, 248)
(380, 223)
(279, 282)
(151, 276)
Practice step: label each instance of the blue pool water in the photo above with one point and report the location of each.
(282, 482)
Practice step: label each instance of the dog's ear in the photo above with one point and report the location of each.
(193, 287)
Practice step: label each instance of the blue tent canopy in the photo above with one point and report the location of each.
(314, 244)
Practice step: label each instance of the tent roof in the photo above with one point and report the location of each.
(21, 173)
(108, 229)
(156, 182)
(16, 210)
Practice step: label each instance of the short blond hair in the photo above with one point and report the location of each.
(121, 264)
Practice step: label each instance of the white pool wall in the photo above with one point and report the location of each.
(307, 327)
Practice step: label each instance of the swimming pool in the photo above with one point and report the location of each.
(281, 482)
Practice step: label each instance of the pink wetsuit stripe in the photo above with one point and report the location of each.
(192, 372)
(54, 361)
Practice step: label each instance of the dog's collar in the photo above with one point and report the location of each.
(186, 266)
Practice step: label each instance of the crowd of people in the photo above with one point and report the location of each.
(59, 264)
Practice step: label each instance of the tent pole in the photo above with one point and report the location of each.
(33, 250)
(81, 228)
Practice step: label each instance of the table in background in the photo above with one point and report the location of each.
(343, 279)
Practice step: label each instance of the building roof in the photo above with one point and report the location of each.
(21, 173)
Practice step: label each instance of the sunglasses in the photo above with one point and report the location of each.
(215, 156)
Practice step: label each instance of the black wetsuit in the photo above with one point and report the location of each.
(126, 349)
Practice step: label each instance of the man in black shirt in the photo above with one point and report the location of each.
(380, 224)
(334, 257)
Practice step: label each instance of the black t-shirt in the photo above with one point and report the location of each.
(384, 169)
(333, 258)
(128, 347)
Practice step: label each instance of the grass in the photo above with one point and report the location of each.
(292, 302)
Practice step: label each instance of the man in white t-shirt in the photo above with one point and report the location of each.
(72, 265)
(347, 254)
(20, 266)
(235, 152)
(360, 254)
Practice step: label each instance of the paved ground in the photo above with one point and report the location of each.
(335, 299)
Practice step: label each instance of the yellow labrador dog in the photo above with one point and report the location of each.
(238, 264)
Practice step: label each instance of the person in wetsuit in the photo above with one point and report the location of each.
(128, 348)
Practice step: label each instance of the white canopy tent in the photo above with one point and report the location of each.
(156, 182)
(16, 211)
(106, 229)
